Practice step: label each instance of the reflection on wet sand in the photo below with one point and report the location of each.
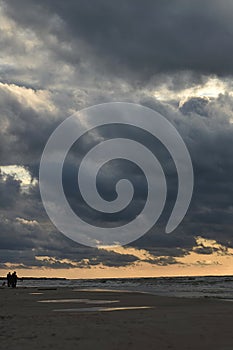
(103, 290)
(103, 309)
(86, 301)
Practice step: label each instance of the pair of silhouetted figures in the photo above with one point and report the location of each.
(12, 279)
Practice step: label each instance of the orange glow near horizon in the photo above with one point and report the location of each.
(142, 270)
(220, 262)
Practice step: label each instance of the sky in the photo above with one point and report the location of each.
(58, 57)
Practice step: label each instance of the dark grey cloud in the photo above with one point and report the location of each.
(27, 242)
(86, 53)
(25, 234)
(195, 105)
(145, 38)
(23, 129)
(9, 190)
(209, 140)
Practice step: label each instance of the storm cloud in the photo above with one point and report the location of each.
(59, 57)
(146, 38)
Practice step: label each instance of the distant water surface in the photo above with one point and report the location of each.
(209, 286)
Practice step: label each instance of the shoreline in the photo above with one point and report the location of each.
(117, 278)
(114, 290)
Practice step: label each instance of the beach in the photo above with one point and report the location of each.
(68, 318)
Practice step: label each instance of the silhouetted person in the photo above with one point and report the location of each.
(9, 279)
(14, 278)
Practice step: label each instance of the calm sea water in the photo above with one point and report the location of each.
(210, 286)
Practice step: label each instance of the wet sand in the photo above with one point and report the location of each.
(118, 320)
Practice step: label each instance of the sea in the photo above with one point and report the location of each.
(193, 287)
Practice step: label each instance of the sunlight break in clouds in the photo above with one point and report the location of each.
(212, 88)
(19, 173)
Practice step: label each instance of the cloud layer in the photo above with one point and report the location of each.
(59, 57)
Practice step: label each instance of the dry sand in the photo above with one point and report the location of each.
(170, 323)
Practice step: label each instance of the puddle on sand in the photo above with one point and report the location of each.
(86, 301)
(63, 301)
(50, 288)
(102, 290)
(102, 301)
(103, 309)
